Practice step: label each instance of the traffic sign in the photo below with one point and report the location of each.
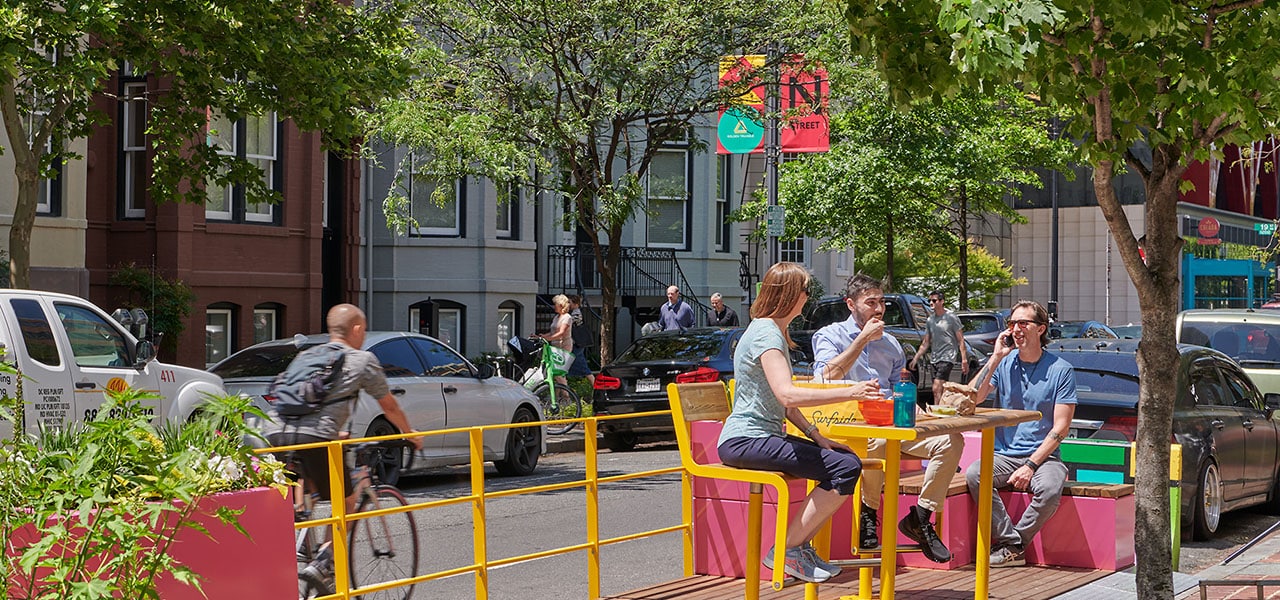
(775, 220)
(1265, 228)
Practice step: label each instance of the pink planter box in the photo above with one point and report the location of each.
(1086, 532)
(260, 566)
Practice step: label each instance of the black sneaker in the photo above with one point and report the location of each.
(920, 530)
(867, 539)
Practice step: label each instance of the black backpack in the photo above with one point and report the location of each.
(303, 388)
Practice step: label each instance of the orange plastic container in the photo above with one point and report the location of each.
(877, 412)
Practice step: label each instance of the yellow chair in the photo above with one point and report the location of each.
(710, 402)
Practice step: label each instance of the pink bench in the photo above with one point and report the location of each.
(1088, 515)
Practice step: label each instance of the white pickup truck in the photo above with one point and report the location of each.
(71, 352)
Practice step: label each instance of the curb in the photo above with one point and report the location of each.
(574, 441)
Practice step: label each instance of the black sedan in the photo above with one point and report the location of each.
(637, 380)
(1230, 433)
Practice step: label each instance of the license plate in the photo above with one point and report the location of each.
(648, 385)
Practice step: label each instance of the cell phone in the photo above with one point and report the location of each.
(1007, 339)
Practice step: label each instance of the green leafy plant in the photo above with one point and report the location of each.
(169, 299)
(90, 509)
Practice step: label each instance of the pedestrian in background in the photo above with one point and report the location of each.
(721, 315)
(675, 314)
(561, 334)
(944, 340)
(582, 340)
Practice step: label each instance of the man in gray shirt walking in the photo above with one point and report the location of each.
(944, 340)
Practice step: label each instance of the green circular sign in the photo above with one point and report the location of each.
(740, 130)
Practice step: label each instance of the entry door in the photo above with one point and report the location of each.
(46, 387)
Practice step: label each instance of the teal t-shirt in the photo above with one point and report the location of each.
(756, 411)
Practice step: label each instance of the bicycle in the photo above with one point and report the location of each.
(379, 549)
(557, 399)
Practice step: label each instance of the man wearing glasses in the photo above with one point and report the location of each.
(859, 349)
(1026, 377)
(944, 340)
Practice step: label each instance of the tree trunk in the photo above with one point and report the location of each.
(27, 170)
(1157, 286)
(607, 259)
(963, 213)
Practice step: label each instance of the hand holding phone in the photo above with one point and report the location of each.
(1007, 340)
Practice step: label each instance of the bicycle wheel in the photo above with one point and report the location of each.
(384, 548)
(567, 406)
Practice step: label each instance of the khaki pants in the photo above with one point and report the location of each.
(943, 453)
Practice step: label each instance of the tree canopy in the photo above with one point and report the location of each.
(1184, 79)
(572, 98)
(322, 64)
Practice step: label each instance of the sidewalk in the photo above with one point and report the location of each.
(1261, 562)
(574, 441)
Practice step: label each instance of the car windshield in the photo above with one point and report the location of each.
(674, 347)
(979, 323)
(1250, 344)
(266, 361)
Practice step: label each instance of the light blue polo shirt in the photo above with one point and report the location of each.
(881, 359)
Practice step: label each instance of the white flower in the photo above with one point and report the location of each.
(226, 467)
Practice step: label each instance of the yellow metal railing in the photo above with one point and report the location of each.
(478, 498)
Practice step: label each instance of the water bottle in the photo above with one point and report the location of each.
(904, 404)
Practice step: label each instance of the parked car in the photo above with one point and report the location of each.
(1128, 332)
(436, 387)
(1250, 337)
(1229, 431)
(982, 327)
(1060, 330)
(904, 318)
(636, 381)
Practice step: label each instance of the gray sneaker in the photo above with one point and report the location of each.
(1008, 556)
(812, 553)
(797, 564)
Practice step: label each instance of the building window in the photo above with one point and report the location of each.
(795, 251)
(507, 214)
(133, 174)
(508, 323)
(724, 187)
(255, 139)
(217, 334)
(442, 319)
(265, 325)
(433, 215)
(449, 327)
(49, 190)
(668, 195)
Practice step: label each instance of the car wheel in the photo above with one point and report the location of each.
(1208, 502)
(380, 427)
(524, 446)
(619, 441)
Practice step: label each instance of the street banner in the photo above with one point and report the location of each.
(805, 91)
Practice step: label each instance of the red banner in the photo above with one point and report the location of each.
(804, 125)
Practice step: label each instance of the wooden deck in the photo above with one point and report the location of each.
(1021, 583)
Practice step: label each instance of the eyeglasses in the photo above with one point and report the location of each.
(1023, 323)
(935, 299)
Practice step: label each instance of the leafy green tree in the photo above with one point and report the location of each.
(917, 174)
(572, 98)
(1182, 79)
(318, 62)
(931, 267)
(168, 300)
